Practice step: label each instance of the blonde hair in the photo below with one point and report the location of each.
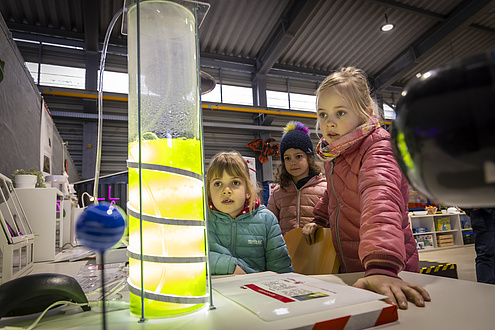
(234, 164)
(352, 85)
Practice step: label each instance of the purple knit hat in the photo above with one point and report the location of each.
(296, 135)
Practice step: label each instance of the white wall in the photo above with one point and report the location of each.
(20, 114)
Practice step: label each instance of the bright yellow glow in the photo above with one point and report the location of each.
(167, 194)
(158, 309)
(171, 278)
(183, 241)
(180, 153)
(172, 196)
(404, 151)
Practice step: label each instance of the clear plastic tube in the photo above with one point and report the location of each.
(100, 103)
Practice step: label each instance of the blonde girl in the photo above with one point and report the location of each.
(365, 203)
(244, 236)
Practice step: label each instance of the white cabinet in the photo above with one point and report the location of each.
(438, 230)
(44, 210)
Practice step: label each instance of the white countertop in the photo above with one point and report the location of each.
(456, 304)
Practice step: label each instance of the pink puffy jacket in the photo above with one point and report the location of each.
(294, 208)
(366, 207)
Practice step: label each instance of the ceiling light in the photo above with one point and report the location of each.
(387, 26)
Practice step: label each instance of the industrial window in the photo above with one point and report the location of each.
(303, 102)
(278, 100)
(56, 75)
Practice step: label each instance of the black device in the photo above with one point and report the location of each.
(444, 134)
(34, 293)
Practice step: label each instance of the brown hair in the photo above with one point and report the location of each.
(284, 178)
(352, 85)
(234, 164)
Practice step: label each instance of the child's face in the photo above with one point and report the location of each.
(296, 163)
(228, 194)
(335, 118)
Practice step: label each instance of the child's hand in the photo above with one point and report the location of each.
(397, 290)
(309, 231)
(239, 271)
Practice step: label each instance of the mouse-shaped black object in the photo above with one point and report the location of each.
(34, 293)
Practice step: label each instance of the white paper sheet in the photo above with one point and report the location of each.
(274, 296)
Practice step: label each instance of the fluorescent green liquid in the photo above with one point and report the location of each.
(175, 279)
(180, 153)
(167, 195)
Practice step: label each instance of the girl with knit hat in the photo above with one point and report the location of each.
(299, 178)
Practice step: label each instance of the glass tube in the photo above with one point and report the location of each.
(166, 189)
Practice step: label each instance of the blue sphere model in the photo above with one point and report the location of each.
(100, 227)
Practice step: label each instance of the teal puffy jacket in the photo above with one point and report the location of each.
(252, 241)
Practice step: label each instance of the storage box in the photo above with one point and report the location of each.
(442, 224)
(468, 237)
(445, 237)
(445, 240)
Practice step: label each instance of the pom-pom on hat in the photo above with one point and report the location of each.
(296, 135)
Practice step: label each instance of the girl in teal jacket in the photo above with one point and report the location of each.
(244, 236)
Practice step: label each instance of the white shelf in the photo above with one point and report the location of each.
(17, 240)
(44, 209)
(432, 237)
(425, 233)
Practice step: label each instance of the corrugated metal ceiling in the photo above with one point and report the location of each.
(312, 37)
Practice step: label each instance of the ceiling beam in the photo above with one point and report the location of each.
(247, 65)
(91, 13)
(428, 14)
(290, 23)
(288, 71)
(63, 35)
(226, 62)
(481, 28)
(461, 17)
(410, 9)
